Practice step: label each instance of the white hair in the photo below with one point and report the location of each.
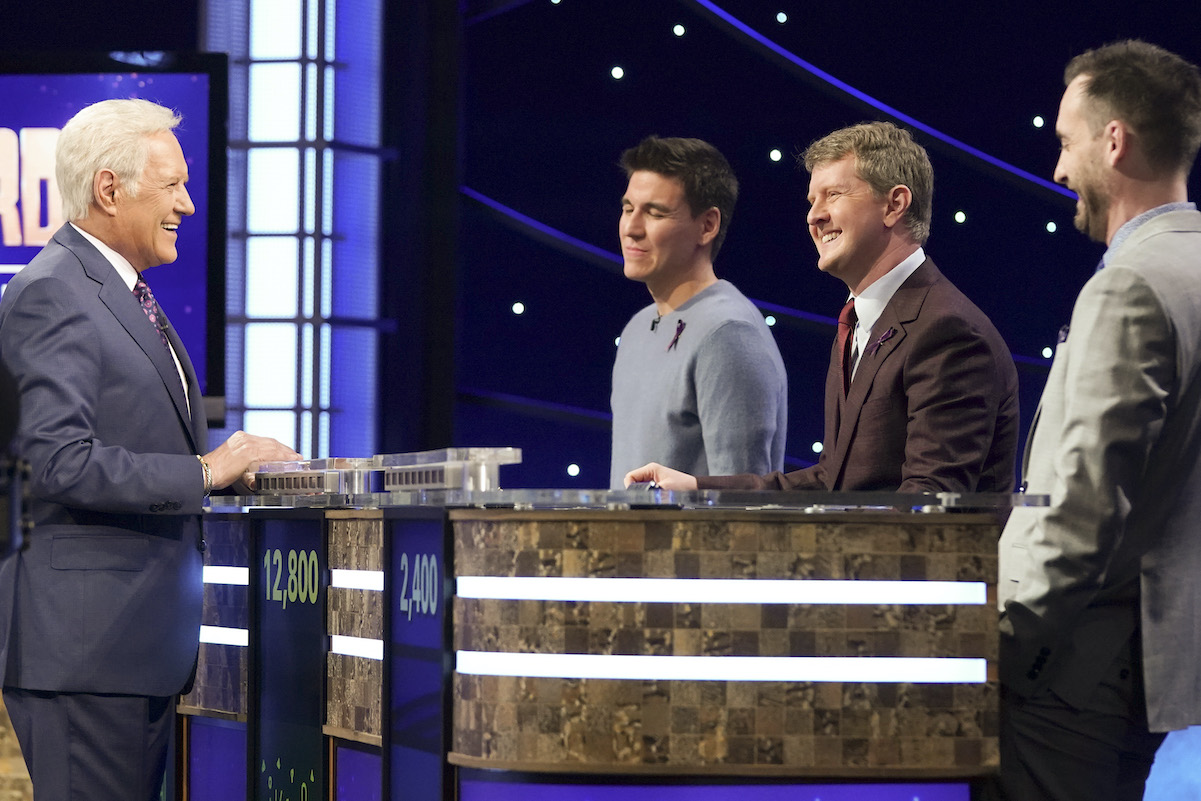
(111, 134)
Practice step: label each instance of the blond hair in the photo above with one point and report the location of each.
(885, 156)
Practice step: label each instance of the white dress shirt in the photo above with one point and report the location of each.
(870, 303)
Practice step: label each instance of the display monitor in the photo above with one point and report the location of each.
(40, 92)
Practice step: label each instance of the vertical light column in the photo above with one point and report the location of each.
(274, 201)
(296, 271)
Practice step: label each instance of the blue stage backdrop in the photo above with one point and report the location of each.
(40, 97)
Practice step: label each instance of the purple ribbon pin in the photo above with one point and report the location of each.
(676, 339)
(875, 346)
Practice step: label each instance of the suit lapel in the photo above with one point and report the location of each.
(886, 336)
(120, 301)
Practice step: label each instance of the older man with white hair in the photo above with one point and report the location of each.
(100, 611)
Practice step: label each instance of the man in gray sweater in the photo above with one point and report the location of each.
(698, 383)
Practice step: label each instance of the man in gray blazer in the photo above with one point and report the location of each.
(1101, 590)
(100, 610)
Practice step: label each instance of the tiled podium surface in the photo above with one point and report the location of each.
(245, 724)
(354, 684)
(878, 728)
(866, 729)
(655, 728)
(220, 687)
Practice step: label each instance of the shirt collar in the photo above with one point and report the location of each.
(870, 303)
(1131, 225)
(121, 264)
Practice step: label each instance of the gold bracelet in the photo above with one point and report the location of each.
(208, 475)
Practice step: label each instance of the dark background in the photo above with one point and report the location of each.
(544, 124)
(514, 102)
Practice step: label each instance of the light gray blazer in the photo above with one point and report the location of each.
(1116, 443)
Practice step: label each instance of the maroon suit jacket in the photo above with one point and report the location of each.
(933, 406)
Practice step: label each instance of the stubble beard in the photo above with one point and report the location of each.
(1092, 211)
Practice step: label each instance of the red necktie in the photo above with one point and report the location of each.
(141, 291)
(846, 328)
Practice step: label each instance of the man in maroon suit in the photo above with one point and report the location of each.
(921, 394)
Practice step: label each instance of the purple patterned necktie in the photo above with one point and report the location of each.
(145, 297)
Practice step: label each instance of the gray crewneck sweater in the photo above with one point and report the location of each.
(714, 403)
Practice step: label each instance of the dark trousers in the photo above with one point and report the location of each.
(1051, 750)
(92, 747)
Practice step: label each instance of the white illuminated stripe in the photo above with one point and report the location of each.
(221, 635)
(915, 670)
(357, 579)
(729, 591)
(356, 646)
(238, 576)
(11, 269)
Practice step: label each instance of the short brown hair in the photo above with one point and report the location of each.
(1156, 93)
(708, 180)
(885, 156)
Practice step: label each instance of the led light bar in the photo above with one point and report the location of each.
(236, 576)
(223, 635)
(732, 591)
(910, 670)
(357, 579)
(356, 646)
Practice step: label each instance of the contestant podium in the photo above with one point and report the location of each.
(833, 645)
(455, 642)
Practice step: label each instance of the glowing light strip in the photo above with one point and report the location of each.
(791, 57)
(236, 576)
(776, 308)
(12, 269)
(732, 591)
(221, 635)
(912, 670)
(578, 244)
(357, 579)
(555, 409)
(357, 646)
(587, 250)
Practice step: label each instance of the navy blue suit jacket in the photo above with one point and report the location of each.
(105, 596)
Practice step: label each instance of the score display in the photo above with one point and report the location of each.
(303, 577)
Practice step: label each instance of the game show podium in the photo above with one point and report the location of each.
(294, 690)
(733, 641)
(493, 644)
